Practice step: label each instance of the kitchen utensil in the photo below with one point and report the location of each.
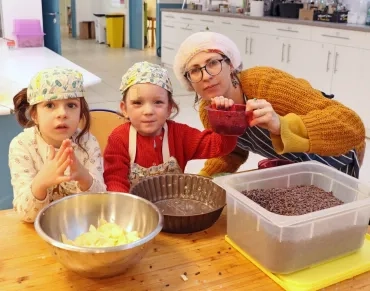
(233, 121)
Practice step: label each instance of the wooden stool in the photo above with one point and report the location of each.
(152, 27)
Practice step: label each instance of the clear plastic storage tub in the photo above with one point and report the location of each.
(30, 40)
(28, 33)
(285, 244)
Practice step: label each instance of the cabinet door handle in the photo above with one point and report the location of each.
(333, 36)
(169, 48)
(250, 46)
(288, 58)
(186, 18)
(205, 20)
(246, 45)
(184, 28)
(249, 25)
(282, 52)
(287, 30)
(327, 61)
(335, 62)
(224, 22)
(169, 16)
(170, 26)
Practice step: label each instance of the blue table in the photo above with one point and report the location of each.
(9, 128)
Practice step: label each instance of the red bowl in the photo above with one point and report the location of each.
(233, 121)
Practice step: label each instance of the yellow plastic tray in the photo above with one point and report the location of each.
(322, 275)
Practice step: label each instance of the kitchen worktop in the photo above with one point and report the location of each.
(345, 26)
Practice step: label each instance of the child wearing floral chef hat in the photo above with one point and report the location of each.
(150, 143)
(52, 157)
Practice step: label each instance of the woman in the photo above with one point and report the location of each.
(292, 121)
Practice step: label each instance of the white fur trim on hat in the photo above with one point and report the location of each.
(199, 42)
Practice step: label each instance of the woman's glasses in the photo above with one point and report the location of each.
(213, 68)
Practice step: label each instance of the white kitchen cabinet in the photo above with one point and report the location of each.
(350, 83)
(256, 49)
(170, 28)
(168, 52)
(312, 61)
(347, 72)
(260, 51)
(227, 27)
(207, 27)
(185, 30)
(360, 103)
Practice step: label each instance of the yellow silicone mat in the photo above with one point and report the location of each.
(320, 276)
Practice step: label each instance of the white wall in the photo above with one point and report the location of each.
(84, 12)
(21, 9)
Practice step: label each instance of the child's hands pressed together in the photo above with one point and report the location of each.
(221, 102)
(52, 173)
(79, 173)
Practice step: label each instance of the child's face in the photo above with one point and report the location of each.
(57, 120)
(148, 108)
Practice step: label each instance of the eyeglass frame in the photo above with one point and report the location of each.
(186, 75)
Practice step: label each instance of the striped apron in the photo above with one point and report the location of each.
(257, 140)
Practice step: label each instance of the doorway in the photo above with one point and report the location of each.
(59, 19)
(65, 18)
(150, 22)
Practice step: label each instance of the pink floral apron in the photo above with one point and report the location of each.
(137, 172)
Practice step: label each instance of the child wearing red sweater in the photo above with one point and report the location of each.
(150, 144)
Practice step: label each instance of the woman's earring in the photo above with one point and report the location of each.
(234, 80)
(196, 99)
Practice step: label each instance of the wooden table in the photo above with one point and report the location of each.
(210, 263)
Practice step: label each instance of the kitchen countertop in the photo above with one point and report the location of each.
(345, 26)
(19, 65)
(209, 261)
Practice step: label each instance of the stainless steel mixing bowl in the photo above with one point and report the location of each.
(74, 214)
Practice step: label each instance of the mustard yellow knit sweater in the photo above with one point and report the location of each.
(309, 122)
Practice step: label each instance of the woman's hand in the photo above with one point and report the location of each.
(221, 102)
(80, 174)
(264, 115)
(52, 172)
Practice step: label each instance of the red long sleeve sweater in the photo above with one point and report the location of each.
(185, 144)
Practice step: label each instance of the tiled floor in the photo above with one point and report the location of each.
(110, 64)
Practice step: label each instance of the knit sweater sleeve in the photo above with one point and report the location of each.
(203, 144)
(309, 121)
(229, 163)
(117, 161)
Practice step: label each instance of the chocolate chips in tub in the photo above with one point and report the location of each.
(297, 200)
